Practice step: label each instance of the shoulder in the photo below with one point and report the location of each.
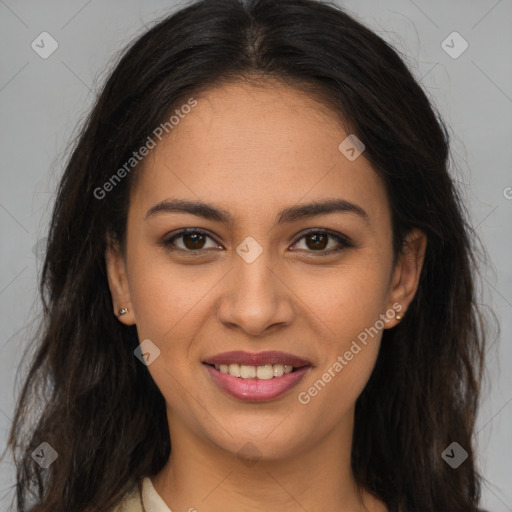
(130, 502)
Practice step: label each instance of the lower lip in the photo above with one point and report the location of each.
(257, 390)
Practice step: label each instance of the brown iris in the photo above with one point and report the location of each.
(193, 240)
(319, 241)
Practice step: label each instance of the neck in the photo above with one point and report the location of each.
(203, 476)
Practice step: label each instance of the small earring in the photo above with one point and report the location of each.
(399, 317)
(122, 311)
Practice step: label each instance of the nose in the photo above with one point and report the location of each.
(256, 299)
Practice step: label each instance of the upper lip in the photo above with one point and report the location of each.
(257, 359)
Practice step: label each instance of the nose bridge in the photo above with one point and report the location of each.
(256, 298)
(255, 277)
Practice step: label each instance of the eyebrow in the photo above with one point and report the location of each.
(286, 215)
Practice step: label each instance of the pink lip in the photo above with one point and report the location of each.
(258, 359)
(257, 390)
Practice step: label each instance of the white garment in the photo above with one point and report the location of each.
(153, 502)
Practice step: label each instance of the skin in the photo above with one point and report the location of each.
(254, 151)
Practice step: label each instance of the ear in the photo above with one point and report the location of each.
(118, 283)
(406, 274)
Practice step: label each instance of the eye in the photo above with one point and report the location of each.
(316, 240)
(192, 240)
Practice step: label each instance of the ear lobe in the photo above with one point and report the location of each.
(406, 275)
(118, 284)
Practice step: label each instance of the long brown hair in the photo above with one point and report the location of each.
(101, 411)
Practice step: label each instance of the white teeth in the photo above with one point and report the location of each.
(247, 372)
(278, 370)
(264, 372)
(234, 369)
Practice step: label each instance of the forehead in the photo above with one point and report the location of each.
(255, 149)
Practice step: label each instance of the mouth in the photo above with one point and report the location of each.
(256, 377)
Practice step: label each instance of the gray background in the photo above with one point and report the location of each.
(42, 100)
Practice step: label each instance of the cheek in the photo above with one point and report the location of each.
(332, 394)
(167, 297)
(347, 315)
(346, 309)
(167, 304)
(345, 300)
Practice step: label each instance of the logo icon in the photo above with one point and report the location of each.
(454, 455)
(44, 45)
(454, 45)
(249, 249)
(39, 249)
(351, 147)
(147, 352)
(249, 454)
(44, 455)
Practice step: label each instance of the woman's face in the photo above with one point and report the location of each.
(252, 280)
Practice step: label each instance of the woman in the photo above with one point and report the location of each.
(258, 286)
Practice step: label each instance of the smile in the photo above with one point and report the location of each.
(256, 377)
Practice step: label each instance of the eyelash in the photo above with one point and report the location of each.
(343, 241)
